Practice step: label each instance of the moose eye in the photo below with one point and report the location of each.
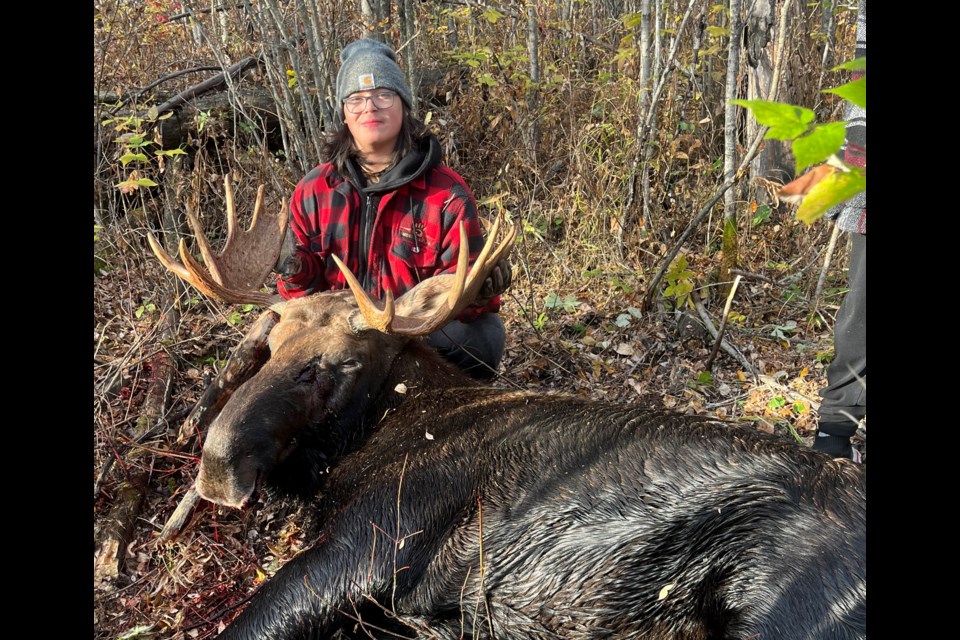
(309, 372)
(350, 364)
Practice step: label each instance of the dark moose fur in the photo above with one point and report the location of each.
(596, 520)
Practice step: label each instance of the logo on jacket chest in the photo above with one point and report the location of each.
(414, 234)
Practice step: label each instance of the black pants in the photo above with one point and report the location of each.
(845, 397)
(476, 347)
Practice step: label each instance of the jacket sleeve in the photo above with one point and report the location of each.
(310, 278)
(462, 207)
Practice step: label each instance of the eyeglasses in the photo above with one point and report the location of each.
(356, 104)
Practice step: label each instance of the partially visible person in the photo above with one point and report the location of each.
(844, 402)
(387, 206)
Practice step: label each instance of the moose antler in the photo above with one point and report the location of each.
(238, 272)
(460, 294)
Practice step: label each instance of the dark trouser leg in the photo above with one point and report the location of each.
(845, 397)
(476, 347)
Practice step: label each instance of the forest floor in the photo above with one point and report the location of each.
(589, 339)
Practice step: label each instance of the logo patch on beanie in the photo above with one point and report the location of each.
(365, 80)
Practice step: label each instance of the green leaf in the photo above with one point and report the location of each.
(487, 79)
(247, 308)
(152, 113)
(718, 32)
(568, 304)
(831, 191)
(171, 152)
(855, 92)
(636, 313)
(786, 121)
(823, 141)
(857, 64)
(623, 320)
(631, 20)
(491, 15)
(762, 214)
(591, 273)
(127, 158)
(147, 182)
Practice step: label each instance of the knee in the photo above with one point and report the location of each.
(476, 348)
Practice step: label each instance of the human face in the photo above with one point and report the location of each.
(375, 130)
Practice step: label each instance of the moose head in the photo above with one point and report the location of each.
(334, 358)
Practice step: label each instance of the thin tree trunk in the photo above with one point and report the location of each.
(773, 162)
(645, 124)
(408, 32)
(646, 86)
(730, 240)
(533, 103)
(822, 279)
(829, 25)
(369, 10)
(657, 49)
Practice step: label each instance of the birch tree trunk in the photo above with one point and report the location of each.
(408, 31)
(730, 240)
(376, 18)
(646, 86)
(774, 160)
(533, 102)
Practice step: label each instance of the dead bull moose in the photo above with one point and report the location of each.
(455, 510)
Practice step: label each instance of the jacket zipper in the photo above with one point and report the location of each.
(366, 238)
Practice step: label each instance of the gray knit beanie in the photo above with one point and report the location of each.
(368, 64)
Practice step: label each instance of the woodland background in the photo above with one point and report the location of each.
(603, 129)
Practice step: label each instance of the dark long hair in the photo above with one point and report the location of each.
(338, 146)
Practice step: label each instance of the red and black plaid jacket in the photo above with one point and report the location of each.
(392, 234)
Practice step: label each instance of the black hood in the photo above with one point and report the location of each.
(425, 156)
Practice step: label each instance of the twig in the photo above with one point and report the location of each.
(178, 518)
(207, 85)
(708, 323)
(754, 276)
(831, 247)
(708, 365)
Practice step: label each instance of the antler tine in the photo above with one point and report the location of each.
(167, 260)
(238, 272)
(488, 258)
(206, 251)
(231, 209)
(375, 317)
(463, 261)
(461, 290)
